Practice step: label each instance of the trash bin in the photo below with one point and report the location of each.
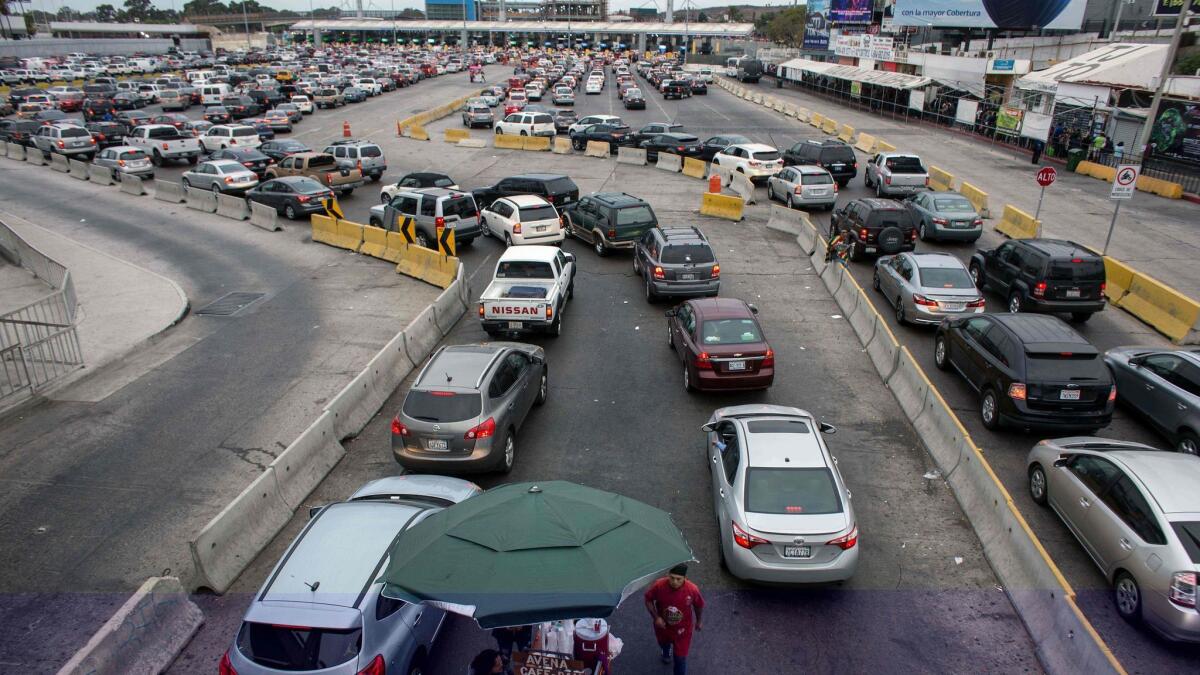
(778, 82)
(1074, 157)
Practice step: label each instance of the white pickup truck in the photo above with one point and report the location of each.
(529, 291)
(164, 142)
(896, 173)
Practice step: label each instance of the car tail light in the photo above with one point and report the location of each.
(862, 234)
(703, 362)
(716, 272)
(1104, 288)
(912, 234)
(1039, 291)
(1017, 391)
(303, 199)
(358, 165)
(329, 178)
(61, 144)
(1183, 589)
(225, 667)
(1112, 393)
(978, 222)
(439, 222)
(398, 428)
(93, 140)
(481, 310)
(485, 430)
(924, 301)
(940, 221)
(659, 274)
(120, 162)
(229, 180)
(754, 164)
(612, 233)
(680, 149)
(769, 359)
(926, 181)
(233, 141)
(855, 165)
(745, 539)
(375, 667)
(977, 303)
(846, 542)
(835, 187)
(248, 164)
(887, 179)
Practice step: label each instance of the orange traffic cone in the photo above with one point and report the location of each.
(345, 129)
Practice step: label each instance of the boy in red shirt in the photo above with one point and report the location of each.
(671, 601)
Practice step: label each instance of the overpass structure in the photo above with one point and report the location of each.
(620, 34)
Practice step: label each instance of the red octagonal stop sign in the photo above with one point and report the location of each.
(1046, 176)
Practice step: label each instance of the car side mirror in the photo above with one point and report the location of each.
(753, 308)
(826, 428)
(1062, 461)
(710, 427)
(1137, 361)
(669, 313)
(313, 511)
(569, 256)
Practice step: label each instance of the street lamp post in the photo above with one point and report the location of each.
(246, 25)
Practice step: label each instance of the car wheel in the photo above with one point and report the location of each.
(422, 240)
(1014, 303)
(185, 184)
(687, 380)
(721, 551)
(347, 192)
(507, 239)
(499, 131)
(524, 134)
(790, 203)
(976, 275)
(556, 326)
(866, 179)
(900, 319)
(1080, 317)
(941, 353)
(376, 178)
(637, 268)
(156, 159)
(508, 453)
(875, 280)
(543, 389)
(290, 212)
(879, 191)
(1037, 485)
(989, 409)
(1127, 597)
(599, 247)
(1188, 443)
(384, 198)
(921, 233)
(651, 296)
(116, 176)
(578, 145)
(670, 337)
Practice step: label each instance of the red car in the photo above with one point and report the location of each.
(721, 344)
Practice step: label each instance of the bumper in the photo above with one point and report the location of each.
(760, 175)
(933, 316)
(886, 189)
(480, 459)
(1020, 415)
(686, 288)
(1174, 623)
(1062, 306)
(957, 234)
(348, 186)
(829, 200)
(707, 380)
(541, 239)
(526, 327)
(144, 174)
(745, 565)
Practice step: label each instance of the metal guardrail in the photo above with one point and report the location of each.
(38, 342)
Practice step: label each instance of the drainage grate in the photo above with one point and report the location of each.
(229, 304)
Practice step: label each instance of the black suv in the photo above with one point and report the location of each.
(609, 220)
(1043, 275)
(615, 135)
(555, 188)
(875, 226)
(835, 157)
(240, 107)
(676, 261)
(1031, 371)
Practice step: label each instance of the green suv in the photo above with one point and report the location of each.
(609, 220)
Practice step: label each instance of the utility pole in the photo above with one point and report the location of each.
(246, 25)
(1152, 114)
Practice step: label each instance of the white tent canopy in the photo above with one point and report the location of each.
(792, 71)
(1121, 66)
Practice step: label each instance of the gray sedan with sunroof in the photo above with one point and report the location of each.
(945, 216)
(925, 288)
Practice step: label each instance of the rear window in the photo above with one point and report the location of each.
(1065, 366)
(882, 219)
(840, 153)
(74, 132)
(953, 205)
(307, 185)
(543, 119)
(463, 207)
(547, 212)
(635, 215)
(778, 427)
(442, 406)
(524, 269)
(1189, 536)
(133, 154)
(1087, 269)
(730, 332)
(243, 131)
(321, 160)
(791, 491)
(370, 151)
(676, 254)
(560, 186)
(767, 156)
(815, 179)
(945, 277)
(905, 165)
(298, 649)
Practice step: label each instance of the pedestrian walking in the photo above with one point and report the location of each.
(1098, 146)
(671, 602)
(1038, 146)
(1119, 151)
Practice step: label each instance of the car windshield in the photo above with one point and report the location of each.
(442, 406)
(1086, 269)
(296, 648)
(792, 491)
(676, 254)
(815, 179)
(635, 215)
(544, 212)
(730, 332)
(945, 277)
(950, 204)
(1061, 366)
(524, 269)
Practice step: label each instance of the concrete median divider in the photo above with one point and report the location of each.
(696, 168)
(729, 207)
(144, 635)
(169, 191)
(829, 126)
(846, 133)
(359, 400)
(883, 146)
(200, 200)
(417, 132)
(1160, 187)
(1170, 312)
(865, 143)
(324, 229)
(803, 114)
(427, 265)
(535, 143)
(562, 145)
(78, 169)
(743, 186)
(817, 120)
(668, 162)
(977, 197)
(265, 217)
(1119, 277)
(4, 148)
(302, 465)
(374, 242)
(421, 336)
(725, 173)
(449, 307)
(507, 142)
(396, 246)
(349, 235)
(99, 175)
(232, 206)
(472, 143)
(455, 135)
(132, 185)
(596, 149)
(59, 163)
(1104, 173)
(635, 156)
(17, 152)
(940, 180)
(1016, 224)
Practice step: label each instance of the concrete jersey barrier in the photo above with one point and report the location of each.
(668, 162)
(265, 217)
(232, 206)
(99, 175)
(940, 179)
(132, 185)
(635, 156)
(169, 191)
(59, 163)
(307, 460)
(508, 142)
(728, 207)
(977, 197)
(596, 149)
(201, 200)
(696, 168)
(1170, 312)
(17, 151)
(743, 186)
(78, 169)
(562, 145)
(359, 400)
(1017, 224)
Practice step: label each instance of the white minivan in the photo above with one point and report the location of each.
(211, 94)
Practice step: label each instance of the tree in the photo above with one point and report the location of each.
(787, 27)
(106, 13)
(762, 21)
(703, 18)
(138, 9)
(203, 7)
(1188, 65)
(735, 14)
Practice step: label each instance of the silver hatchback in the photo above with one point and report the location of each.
(782, 508)
(925, 288)
(1136, 511)
(466, 407)
(802, 185)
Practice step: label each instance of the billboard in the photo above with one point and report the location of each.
(850, 11)
(1173, 7)
(1015, 14)
(816, 27)
(1176, 132)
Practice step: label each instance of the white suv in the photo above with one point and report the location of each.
(229, 136)
(523, 219)
(526, 124)
(757, 161)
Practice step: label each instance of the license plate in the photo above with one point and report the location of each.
(837, 166)
(737, 365)
(434, 444)
(869, 249)
(797, 551)
(1073, 293)
(541, 228)
(514, 325)
(1069, 395)
(953, 306)
(687, 277)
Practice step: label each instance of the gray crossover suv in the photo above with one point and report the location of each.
(467, 405)
(676, 261)
(1163, 385)
(323, 610)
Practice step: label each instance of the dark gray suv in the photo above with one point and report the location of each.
(467, 405)
(676, 261)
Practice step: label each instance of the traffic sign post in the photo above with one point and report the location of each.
(1045, 177)
(1124, 183)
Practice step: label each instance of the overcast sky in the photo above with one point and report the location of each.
(302, 5)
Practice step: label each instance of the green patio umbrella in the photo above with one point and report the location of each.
(529, 552)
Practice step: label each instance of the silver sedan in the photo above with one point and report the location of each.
(945, 216)
(801, 186)
(125, 159)
(220, 175)
(925, 288)
(1164, 386)
(1134, 510)
(782, 508)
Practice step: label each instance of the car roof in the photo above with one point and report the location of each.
(1059, 248)
(754, 147)
(1034, 329)
(540, 176)
(533, 253)
(458, 367)
(827, 142)
(783, 450)
(878, 204)
(928, 259)
(618, 199)
(1172, 478)
(810, 168)
(722, 308)
(527, 200)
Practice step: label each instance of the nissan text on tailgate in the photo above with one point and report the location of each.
(528, 292)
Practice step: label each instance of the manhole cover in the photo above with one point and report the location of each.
(229, 304)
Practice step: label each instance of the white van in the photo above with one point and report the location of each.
(211, 94)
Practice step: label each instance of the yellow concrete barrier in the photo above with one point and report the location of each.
(324, 229)
(846, 133)
(1095, 170)
(395, 247)
(829, 126)
(977, 197)
(349, 235)
(455, 135)
(1119, 277)
(508, 141)
(817, 120)
(538, 143)
(803, 114)
(940, 179)
(866, 143)
(883, 146)
(1160, 187)
(418, 132)
(1017, 224)
(562, 145)
(426, 265)
(693, 167)
(597, 149)
(722, 206)
(374, 242)
(1170, 312)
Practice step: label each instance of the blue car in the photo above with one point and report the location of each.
(354, 95)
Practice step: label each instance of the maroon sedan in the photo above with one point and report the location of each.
(721, 344)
